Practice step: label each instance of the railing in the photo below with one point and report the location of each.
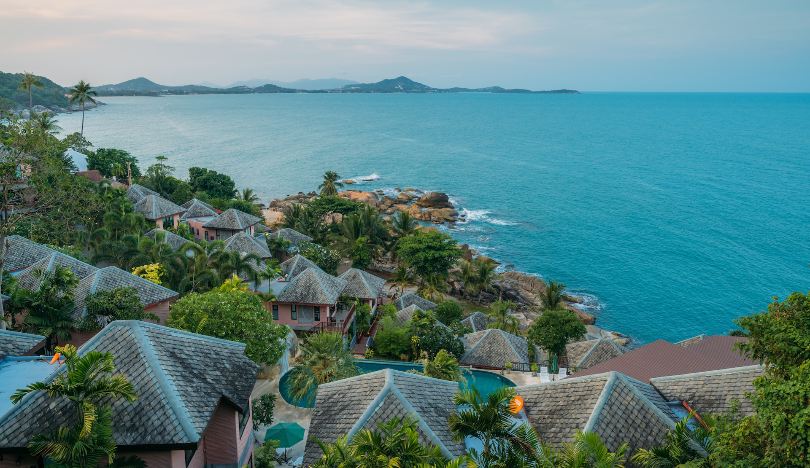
(332, 325)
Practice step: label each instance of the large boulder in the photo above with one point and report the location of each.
(369, 198)
(434, 200)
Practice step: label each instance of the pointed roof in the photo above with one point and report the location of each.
(295, 265)
(30, 278)
(712, 392)
(178, 388)
(22, 253)
(313, 286)
(196, 208)
(174, 241)
(109, 278)
(412, 298)
(493, 348)
(362, 284)
(581, 355)
(232, 220)
(154, 207)
(617, 407)
(406, 315)
(14, 343)
(244, 243)
(364, 402)
(135, 192)
(291, 235)
(476, 321)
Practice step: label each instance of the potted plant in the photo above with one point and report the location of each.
(508, 366)
(534, 368)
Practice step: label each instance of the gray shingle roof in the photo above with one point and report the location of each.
(135, 192)
(476, 321)
(174, 241)
(244, 243)
(295, 265)
(22, 252)
(291, 235)
(405, 315)
(30, 279)
(493, 348)
(411, 298)
(584, 354)
(154, 207)
(364, 402)
(179, 377)
(617, 407)
(232, 220)
(196, 208)
(109, 278)
(712, 392)
(14, 343)
(362, 284)
(313, 286)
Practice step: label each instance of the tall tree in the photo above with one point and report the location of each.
(553, 295)
(82, 93)
(502, 318)
(28, 83)
(324, 358)
(50, 306)
(330, 185)
(553, 330)
(90, 385)
(45, 122)
(249, 195)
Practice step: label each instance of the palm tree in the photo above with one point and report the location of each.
(249, 195)
(324, 358)
(45, 123)
(443, 366)
(502, 318)
(477, 275)
(82, 93)
(588, 449)
(330, 185)
(28, 82)
(402, 278)
(50, 307)
(490, 421)
(89, 383)
(679, 448)
(553, 295)
(403, 224)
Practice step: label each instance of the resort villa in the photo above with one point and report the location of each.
(193, 407)
(228, 223)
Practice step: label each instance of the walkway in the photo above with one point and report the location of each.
(282, 412)
(359, 349)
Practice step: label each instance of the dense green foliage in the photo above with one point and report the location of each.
(324, 358)
(437, 338)
(50, 306)
(429, 253)
(12, 95)
(114, 304)
(90, 385)
(477, 275)
(327, 259)
(443, 366)
(362, 318)
(449, 312)
(263, 408)
(213, 183)
(113, 162)
(501, 316)
(553, 295)
(333, 204)
(392, 340)
(554, 329)
(330, 185)
(237, 316)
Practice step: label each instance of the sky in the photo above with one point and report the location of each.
(597, 45)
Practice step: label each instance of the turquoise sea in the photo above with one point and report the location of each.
(675, 213)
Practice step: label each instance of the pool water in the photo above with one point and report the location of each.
(484, 382)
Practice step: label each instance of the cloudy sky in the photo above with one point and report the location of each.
(620, 45)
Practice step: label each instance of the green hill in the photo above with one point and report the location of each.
(11, 97)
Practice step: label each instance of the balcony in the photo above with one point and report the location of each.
(340, 321)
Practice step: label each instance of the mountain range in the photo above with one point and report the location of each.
(145, 87)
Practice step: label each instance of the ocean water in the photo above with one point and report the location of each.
(673, 213)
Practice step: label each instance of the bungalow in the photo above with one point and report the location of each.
(228, 223)
(493, 348)
(309, 301)
(191, 411)
(135, 192)
(581, 355)
(245, 244)
(345, 407)
(162, 212)
(197, 213)
(364, 286)
(174, 241)
(476, 321)
(292, 236)
(22, 252)
(410, 298)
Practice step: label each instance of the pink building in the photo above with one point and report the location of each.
(196, 215)
(193, 407)
(164, 213)
(363, 286)
(228, 223)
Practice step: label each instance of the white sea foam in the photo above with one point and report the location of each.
(361, 179)
(483, 216)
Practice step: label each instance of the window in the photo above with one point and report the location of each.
(275, 311)
(317, 313)
(293, 312)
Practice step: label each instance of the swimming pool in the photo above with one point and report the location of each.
(484, 382)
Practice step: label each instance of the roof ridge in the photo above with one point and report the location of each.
(212, 339)
(420, 420)
(18, 333)
(175, 402)
(371, 408)
(626, 379)
(604, 395)
(137, 278)
(590, 350)
(727, 370)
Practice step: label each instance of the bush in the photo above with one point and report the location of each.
(362, 318)
(392, 340)
(327, 259)
(116, 304)
(265, 455)
(263, 410)
(444, 366)
(429, 253)
(448, 312)
(438, 338)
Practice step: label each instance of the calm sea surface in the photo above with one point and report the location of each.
(675, 213)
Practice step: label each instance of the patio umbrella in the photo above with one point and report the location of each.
(286, 433)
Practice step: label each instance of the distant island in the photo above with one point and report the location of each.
(145, 87)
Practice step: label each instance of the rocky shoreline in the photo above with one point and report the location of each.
(38, 109)
(524, 289)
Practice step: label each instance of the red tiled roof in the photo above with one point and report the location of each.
(661, 358)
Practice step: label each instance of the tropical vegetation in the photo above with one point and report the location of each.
(553, 330)
(323, 358)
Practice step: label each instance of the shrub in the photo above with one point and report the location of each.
(263, 410)
(392, 340)
(449, 312)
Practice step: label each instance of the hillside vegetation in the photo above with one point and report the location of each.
(11, 97)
